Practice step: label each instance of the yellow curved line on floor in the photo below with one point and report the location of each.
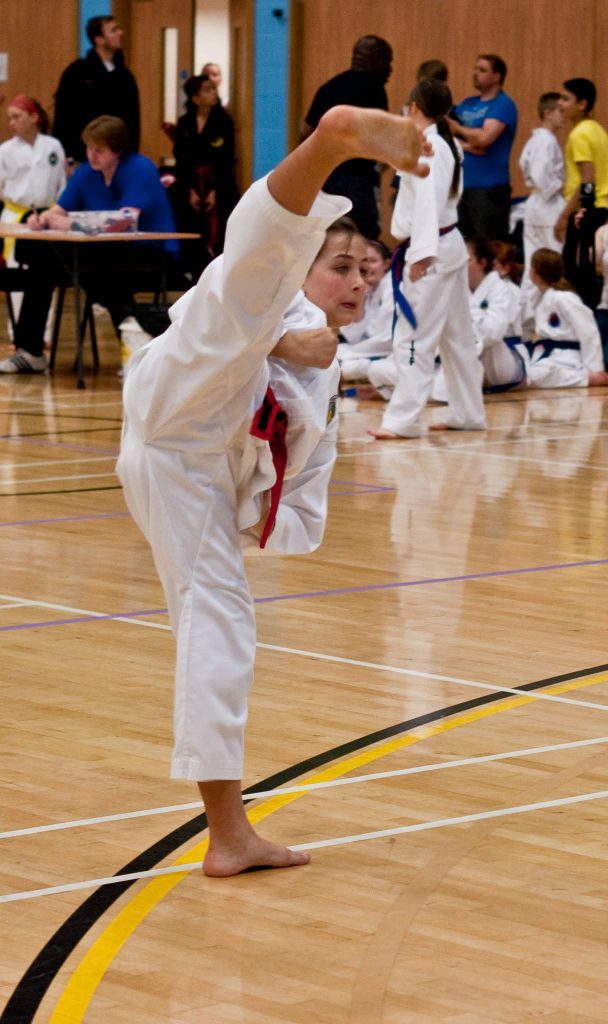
(80, 988)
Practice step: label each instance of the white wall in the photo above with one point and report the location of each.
(212, 40)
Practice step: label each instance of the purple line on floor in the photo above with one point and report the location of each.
(81, 618)
(368, 490)
(355, 483)
(315, 593)
(65, 519)
(426, 582)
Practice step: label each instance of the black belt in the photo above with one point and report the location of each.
(550, 346)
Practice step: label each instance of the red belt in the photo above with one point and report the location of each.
(270, 424)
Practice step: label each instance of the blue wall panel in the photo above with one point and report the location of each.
(89, 9)
(271, 83)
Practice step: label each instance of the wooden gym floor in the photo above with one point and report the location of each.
(458, 829)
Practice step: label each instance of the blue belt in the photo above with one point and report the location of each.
(397, 265)
(401, 303)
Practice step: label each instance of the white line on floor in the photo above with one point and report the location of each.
(492, 687)
(54, 479)
(375, 666)
(413, 444)
(51, 463)
(309, 787)
(465, 819)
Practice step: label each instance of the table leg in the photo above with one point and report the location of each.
(78, 315)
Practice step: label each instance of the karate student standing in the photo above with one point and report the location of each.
(434, 283)
(542, 165)
(190, 399)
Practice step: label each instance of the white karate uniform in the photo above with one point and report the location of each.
(542, 165)
(563, 317)
(192, 473)
(439, 300)
(603, 303)
(496, 315)
(31, 175)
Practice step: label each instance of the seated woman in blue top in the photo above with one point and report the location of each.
(113, 178)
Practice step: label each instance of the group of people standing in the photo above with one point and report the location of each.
(438, 309)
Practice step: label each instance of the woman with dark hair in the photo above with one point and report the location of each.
(430, 282)
(204, 164)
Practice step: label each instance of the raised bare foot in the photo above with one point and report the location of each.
(598, 378)
(377, 135)
(224, 861)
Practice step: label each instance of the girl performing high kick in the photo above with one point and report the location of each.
(201, 425)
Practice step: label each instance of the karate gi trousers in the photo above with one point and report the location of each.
(441, 306)
(189, 399)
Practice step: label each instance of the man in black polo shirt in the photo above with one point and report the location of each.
(361, 86)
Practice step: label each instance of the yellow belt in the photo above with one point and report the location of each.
(17, 213)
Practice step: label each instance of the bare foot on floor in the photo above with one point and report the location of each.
(386, 435)
(598, 378)
(224, 861)
(439, 426)
(368, 393)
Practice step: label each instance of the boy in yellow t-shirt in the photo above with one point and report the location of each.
(585, 189)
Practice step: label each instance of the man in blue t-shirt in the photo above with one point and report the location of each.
(486, 126)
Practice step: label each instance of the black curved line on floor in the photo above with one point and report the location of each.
(31, 989)
(69, 490)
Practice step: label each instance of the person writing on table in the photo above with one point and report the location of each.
(113, 178)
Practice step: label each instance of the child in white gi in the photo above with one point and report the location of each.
(434, 284)
(542, 165)
(601, 267)
(32, 171)
(566, 351)
(32, 164)
(186, 464)
(496, 312)
(370, 337)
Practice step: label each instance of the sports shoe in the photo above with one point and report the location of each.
(24, 362)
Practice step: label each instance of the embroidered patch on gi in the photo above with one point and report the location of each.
(483, 304)
(218, 142)
(53, 159)
(554, 320)
(331, 409)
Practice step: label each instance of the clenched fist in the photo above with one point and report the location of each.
(314, 347)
